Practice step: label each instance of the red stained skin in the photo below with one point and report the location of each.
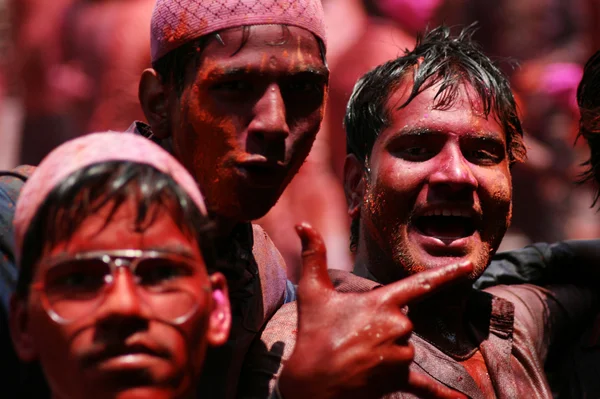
(124, 319)
(459, 159)
(246, 120)
(427, 157)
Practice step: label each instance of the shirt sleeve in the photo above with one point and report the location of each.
(566, 261)
(552, 315)
(10, 187)
(11, 183)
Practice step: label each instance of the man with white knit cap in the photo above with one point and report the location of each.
(236, 94)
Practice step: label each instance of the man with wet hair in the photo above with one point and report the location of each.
(130, 317)
(431, 138)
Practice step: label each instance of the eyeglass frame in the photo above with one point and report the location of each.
(111, 258)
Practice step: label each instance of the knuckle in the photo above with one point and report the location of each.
(405, 325)
(423, 282)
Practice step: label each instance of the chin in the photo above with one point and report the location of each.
(256, 205)
(150, 393)
(419, 261)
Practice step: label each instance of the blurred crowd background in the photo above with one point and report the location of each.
(69, 67)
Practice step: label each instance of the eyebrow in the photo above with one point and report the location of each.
(176, 249)
(421, 131)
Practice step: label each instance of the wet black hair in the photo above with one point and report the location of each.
(89, 189)
(438, 57)
(173, 66)
(588, 99)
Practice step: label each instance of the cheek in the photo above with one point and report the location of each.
(191, 346)
(56, 347)
(203, 135)
(498, 188)
(399, 180)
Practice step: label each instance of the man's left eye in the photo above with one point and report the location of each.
(304, 86)
(482, 156)
(153, 273)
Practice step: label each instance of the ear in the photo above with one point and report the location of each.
(153, 96)
(354, 184)
(20, 330)
(219, 322)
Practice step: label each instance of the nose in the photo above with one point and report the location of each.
(454, 173)
(269, 123)
(122, 299)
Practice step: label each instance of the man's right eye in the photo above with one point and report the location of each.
(77, 277)
(415, 154)
(77, 282)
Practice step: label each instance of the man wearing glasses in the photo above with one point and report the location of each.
(114, 296)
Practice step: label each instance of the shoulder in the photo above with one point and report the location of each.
(11, 183)
(280, 332)
(279, 335)
(344, 281)
(271, 265)
(544, 314)
(265, 358)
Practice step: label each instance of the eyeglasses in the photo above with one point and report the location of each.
(75, 287)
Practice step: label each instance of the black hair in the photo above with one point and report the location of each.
(438, 57)
(588, 99)
(87, 190)
(173, 66)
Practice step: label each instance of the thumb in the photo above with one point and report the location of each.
(314, 277)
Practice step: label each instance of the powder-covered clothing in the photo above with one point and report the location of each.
(516, 326)
(11, 183)
(574, 371)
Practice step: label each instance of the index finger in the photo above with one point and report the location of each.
(420, 285)
(426, 387)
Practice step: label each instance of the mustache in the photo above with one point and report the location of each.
(101, 352)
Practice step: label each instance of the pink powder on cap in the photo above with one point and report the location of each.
(176, 22)
(85, 151)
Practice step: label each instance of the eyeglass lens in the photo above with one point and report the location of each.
(76, 288)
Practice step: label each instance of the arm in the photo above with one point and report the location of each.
(574, 262)
(549, 317)
(10, 187)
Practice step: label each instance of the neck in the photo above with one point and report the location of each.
(443, 320)
(224, 226)
(440, 319)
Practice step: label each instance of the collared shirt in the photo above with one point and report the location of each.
(574, 370)
(516, 326)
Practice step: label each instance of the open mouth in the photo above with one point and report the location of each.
(446, 224)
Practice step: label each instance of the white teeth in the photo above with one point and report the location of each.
(447, 212)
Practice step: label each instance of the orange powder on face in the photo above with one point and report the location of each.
(299, 52)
